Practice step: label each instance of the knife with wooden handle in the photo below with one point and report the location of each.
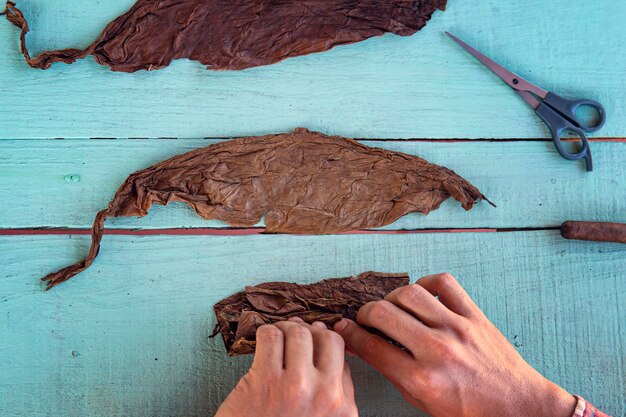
(595, 231)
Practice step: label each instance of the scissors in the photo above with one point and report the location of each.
(557, 112)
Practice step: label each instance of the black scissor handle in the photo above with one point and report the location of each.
(558, 124)
(568, 109)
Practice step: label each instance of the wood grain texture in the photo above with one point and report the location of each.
(129, 336)
(65, 183)
(388, 87)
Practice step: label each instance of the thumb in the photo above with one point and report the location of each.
(388, 359)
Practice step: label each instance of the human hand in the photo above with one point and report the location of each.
(456, 362)
(299, 370)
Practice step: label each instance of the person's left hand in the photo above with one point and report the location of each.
(299, 370)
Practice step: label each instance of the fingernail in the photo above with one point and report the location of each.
(340, 325)
(296, 319)
(319, 324)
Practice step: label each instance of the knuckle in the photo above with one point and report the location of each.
(380, 309)
(416, 383)
(426, 381)
(400, 326)
(463, 330)
(411, 293)
(414, 386)
(298, 389)
(446, 279)
(460, 294)
(440, 346)
(370, 347)
(433, 382)
(333, 338)
(269, 332)
(330, 399)
(299, 332)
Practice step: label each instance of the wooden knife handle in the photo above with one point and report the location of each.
(596, 231)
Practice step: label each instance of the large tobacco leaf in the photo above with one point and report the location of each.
(302, 182)
(234, 34)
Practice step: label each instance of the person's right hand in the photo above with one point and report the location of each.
(455, 362)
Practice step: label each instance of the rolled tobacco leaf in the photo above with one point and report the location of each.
(234, 34)
(302, 182)
(239, 315)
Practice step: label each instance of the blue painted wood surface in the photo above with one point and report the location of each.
(129, 336)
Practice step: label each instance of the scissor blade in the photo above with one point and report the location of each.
(512, 79)
(529, 98)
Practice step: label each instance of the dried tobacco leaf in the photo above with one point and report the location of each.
(302, 182)
(239, 315)
(234, 34)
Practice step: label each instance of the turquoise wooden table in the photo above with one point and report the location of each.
(129, 337)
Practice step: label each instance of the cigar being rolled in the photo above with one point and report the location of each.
(595, 231)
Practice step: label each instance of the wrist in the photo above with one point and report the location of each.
(555, 402)
(536, 396)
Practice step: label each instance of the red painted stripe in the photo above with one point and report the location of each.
(215, 232)
(134, 232)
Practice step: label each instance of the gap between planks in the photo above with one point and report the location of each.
(233, 231)
(445, 140)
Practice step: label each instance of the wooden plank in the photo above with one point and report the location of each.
(65, 183)
(129, 336)
(389, 87)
